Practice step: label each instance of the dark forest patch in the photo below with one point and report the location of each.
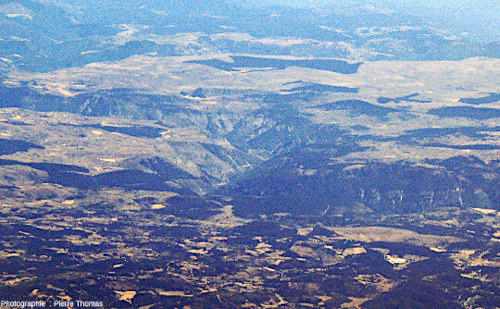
(78, 177)
(407, 98)
(10, 146)
(415, 294)
(321, 88)
(473, 132)
(358, 107)
(134, 131)
(492, 98)
(332, 65)
(466, 112)
(460, 147)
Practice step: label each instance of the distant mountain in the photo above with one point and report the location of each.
(43, 36)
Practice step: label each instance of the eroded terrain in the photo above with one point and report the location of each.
(291, 186)
(213, 154)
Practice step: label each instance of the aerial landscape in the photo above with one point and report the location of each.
(249, 154)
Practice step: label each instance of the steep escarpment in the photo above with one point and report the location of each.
(312, 183)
